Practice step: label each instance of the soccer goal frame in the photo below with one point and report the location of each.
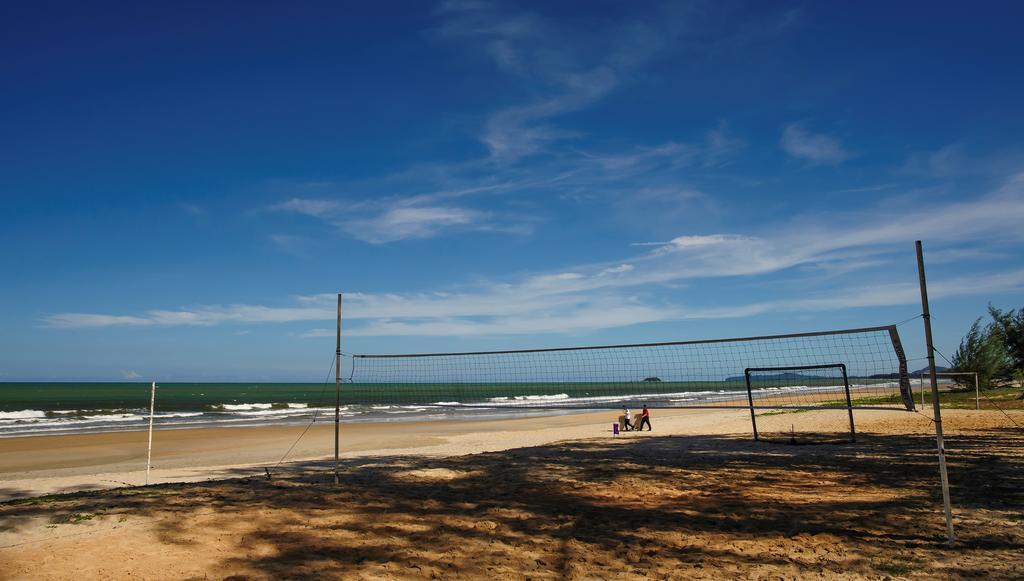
(846, 389)
(954, 374)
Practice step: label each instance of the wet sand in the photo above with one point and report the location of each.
(36, 465)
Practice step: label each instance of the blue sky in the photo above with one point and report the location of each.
(184, 186)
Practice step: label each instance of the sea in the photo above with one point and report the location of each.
(38, 408)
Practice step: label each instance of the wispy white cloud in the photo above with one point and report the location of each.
(600, 315)
(533, 48)
(875, 295)
(317, 333)
(864, 189)
(955, 161)
(405, 222)
(603, 294)
(813, 147)
(86, 320)
(394, 219)
(633, 180)
(561, 71)
(202, 316)
(521, 130)
(722, 146)
(616, 269)
(291, 244)
(569, 70)
(316, 208)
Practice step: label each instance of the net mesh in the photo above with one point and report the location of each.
(678, 374)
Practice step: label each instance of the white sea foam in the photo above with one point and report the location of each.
(405, 409)
(112, 418)
(22, 415)
(86, 420)
(537, 398)
(274, 412)
(231, 407)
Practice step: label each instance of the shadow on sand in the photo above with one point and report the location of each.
(663, 506)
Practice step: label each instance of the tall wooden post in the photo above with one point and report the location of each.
(926, 315)
(337, 392)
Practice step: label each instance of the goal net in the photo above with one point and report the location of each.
(826, 387)
(695, 374)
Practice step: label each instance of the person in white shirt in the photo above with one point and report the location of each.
(627, 426)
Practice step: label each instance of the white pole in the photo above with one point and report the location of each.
(149, 451)
(977, 393)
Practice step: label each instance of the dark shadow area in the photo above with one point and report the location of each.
(659, 505)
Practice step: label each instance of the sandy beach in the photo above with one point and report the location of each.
(36, 465)
(544, 498)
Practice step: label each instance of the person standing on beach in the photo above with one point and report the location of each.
(645, 418)
(626, 425)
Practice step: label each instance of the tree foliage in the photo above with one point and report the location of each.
(1009, 326)
(982, 351)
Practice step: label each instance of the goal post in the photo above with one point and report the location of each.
(824, 384)
(954, 375)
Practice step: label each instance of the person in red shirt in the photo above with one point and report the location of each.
(645, 418)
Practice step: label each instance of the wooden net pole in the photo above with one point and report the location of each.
(149, 447)
(926, 314)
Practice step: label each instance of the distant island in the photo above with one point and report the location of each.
(777, 376)
(919, 372)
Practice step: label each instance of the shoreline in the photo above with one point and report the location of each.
(45, 464)
(439, 412)
(36, 465)
(295, 423)
(39, 420)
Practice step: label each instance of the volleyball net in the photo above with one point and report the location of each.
(792, 371)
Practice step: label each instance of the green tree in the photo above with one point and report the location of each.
(1009, 326)
(982, 351)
